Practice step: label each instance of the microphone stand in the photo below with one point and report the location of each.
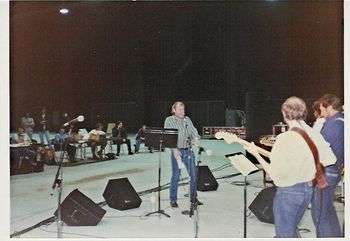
(57, 184)
(192, 202)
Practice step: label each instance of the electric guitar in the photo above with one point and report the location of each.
(268, 140)
(230, 138)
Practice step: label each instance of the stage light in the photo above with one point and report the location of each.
(64, 11)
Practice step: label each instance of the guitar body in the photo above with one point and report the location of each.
(94, 137)
(268, 140)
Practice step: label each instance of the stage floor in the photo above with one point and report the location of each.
(221, 216)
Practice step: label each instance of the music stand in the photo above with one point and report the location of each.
(162, 137)
(245, 167)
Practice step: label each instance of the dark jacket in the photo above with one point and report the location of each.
(140, 133)
(119, 132)
(39, 126)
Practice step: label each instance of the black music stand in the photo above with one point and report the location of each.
(164, 138)
(245, 167)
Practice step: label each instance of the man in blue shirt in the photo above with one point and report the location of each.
(323, 210)
(62, 140)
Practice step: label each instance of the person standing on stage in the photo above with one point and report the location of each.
(322, 209)
(43, 123)
(181, 154)
(28, 124)
(292, 167)
(318, 124)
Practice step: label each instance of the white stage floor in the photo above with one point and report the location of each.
(221, 216)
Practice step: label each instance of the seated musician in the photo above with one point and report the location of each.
(22, 153)
(94, 139)
(120, 137)
(140, 138)
(21, 137)
(59, 143)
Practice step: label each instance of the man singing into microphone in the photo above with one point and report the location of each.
(181, 154)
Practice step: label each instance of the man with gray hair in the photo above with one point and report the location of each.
(182, 154)
(292, 167)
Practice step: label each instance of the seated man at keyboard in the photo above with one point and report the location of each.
(95, 138)
(120, 137)
(23, 151)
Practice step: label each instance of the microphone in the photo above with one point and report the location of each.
(207, 151)
(185, 120)
(78, 119)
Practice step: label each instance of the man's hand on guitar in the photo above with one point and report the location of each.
(252, 149)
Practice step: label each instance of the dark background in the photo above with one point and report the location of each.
(132, 60)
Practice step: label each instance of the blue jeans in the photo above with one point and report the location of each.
(176, 173)
(323, 211)
(29, 132)
(137, 144)
(289, 206)
(46, 134)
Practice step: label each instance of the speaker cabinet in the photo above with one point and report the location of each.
(262, 206)
(206, 180)
(120, 194)
(79, 210)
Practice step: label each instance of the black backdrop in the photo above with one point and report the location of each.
(129, 58)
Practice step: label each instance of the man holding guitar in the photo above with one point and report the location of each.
(292, 166)
(94, 139)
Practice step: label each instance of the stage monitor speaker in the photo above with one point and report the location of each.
(262, 206)
(79, 210)
(120, 194)
(206, 180)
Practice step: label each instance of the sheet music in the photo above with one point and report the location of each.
(19, 145)
(243, 164)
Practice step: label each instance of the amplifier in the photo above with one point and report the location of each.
(210, 131)
(279, 128)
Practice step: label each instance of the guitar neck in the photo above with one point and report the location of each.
(260, 150)
(230, 138)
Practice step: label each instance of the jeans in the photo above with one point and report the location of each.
(176, 173)
(289, 206)
(29, 132)
(323, 211)
(47, 137)
(137, 144)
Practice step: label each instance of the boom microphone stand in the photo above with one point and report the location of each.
(57, 183)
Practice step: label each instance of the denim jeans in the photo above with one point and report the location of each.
(47, 137)
(29, 132)
(137, 144)
(176, 173)
(323, 211)
(289, 206)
